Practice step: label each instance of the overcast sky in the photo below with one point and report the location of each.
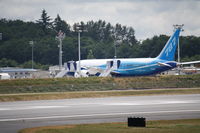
(147, 17)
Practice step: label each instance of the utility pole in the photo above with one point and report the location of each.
(32, 45)
(60, 38)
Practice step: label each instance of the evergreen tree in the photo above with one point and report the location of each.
(97, 42)
(90, 55)
(45, 21)
(60, 24)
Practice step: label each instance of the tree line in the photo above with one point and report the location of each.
(98, 40)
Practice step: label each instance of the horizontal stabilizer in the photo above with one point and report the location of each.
(164, 64)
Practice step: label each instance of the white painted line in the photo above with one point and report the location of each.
(92, 115)
(149, 103)
(31, 107)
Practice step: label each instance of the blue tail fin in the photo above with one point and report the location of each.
(168, 52)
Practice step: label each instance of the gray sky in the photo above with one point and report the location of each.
(147, 17)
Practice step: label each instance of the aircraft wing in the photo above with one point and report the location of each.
(187, 63)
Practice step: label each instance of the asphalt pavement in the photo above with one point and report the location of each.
(25, 114)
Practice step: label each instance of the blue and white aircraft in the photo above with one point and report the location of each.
(134, 66)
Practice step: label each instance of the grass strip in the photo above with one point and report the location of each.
(97, 84)
(161, 126)
(92, 94)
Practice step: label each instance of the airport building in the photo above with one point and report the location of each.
(22, 73)
(16, 73)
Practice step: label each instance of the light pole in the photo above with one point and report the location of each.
(79, 28)
(79, 52)
(60, 38)
(178, 49)
(115, 44)
(0, 36)
(32, 45)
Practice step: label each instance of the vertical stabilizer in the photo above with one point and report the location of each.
(168, 52)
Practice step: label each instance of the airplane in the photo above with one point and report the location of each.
(124, 67)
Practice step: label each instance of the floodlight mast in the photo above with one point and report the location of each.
(60, 38)
(181, 29)
(1, 36)
(32, 45)
(79, 51)
(117, 42)
(79, 30)
(115, 45)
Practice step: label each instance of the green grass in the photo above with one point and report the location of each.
(162, 126)
(91, 94)
(97, 84)
(61, 88)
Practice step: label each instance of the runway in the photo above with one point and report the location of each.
(18, 115)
